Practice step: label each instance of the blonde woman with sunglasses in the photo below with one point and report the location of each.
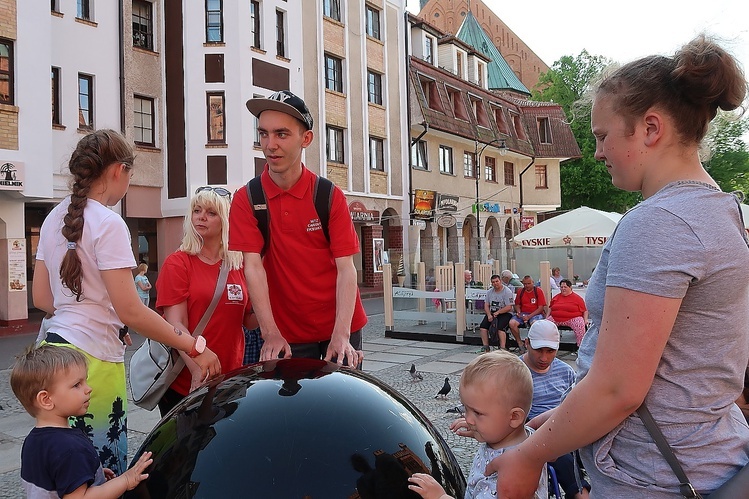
(186, 286)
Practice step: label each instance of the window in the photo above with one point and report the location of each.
(255, 18)
(56, 111)
(333, 73)
(490, 169)
(469, 160)
(499, 116)
(509, 173)
(256, 123)
(214, 22)
(431, 94)
(332, 9)
(375, 87)
(373, 22)
(216, 121)
(459, 64)
(376, 154)
(83, 9)
(429, 49)
(459, 107)
(142, 24)
(419, 155)
(85, 101)
(334, 144)
(143, 121)
(280, 34)
(480, 74)
(544, 130)
(519, 129)
(480, 112)
(55, 5)
(446, 160)
(6, 72)
(541, 181)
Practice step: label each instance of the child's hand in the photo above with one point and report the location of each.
(108, 474)
(135, 475)
(461, 428)
(427, 487)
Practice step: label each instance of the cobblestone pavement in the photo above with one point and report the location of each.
(385, 358)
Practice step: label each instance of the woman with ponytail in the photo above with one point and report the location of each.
(83, 278)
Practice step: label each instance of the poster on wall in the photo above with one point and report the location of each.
(16, 264)
(379, 253)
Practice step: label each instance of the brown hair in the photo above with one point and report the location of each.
(690, 86)
(93, 154)
(36, 368)
(507, 372)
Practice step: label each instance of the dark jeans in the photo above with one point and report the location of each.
(503, 320)
(568, 475)
(317, 350)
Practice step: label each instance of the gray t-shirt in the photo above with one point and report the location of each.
(499, 299)
(687, 241)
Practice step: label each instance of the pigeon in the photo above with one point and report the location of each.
(415, 375)
(444, 390)
(458, 409)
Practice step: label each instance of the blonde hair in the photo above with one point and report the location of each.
(36, 368)
(143, 267)
(509, 374)
(192, 242)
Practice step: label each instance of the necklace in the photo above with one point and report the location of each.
(208, 259)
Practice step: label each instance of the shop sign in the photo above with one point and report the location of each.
(424, 203)
(487, 207)
(11, 175)
(16, 264)
(360, 213)
(447, 202)
(526, 223)
(446, 220)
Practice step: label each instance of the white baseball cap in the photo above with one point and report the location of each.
(544, 334)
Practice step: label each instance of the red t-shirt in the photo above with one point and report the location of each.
(185, 277)
(564, 308)
(299, 263)
(528, 301)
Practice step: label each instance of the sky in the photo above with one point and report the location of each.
(622, 30)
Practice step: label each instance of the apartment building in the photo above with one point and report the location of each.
(484, 159)
(355, 83)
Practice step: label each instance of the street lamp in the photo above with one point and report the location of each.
(478, 152)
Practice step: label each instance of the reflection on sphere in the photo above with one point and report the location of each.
(296, 428)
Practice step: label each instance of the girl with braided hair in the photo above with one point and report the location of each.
(83, 278)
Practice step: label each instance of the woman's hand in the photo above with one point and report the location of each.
(197, 379)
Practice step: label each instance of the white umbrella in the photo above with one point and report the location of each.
(580, 227)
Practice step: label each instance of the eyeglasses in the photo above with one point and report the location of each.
(218, 190)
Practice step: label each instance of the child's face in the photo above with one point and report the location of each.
(486, 412)
(70, 392)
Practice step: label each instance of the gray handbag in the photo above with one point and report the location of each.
(737, 486)
(155, 366)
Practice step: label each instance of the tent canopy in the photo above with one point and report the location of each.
(580, 227)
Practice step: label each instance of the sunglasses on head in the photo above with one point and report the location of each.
(218, 190)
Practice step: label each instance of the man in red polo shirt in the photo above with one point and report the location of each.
(303, 289)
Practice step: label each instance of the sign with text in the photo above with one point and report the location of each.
(424, 203)
(526, 222)
(11, 175)
(16, 264)
(360, 213)
(447, 202)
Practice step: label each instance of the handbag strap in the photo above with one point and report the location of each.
(685, 486)
(223, 275)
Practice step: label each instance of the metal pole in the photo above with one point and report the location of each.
(477, 158)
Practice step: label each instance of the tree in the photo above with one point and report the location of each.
(729, 161)
(584, 181)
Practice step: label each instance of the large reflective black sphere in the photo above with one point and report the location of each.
(295, 428)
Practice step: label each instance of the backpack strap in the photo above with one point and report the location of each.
(323, 198)
(256, 195)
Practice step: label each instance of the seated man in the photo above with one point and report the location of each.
(509, 280)
(530, 304)
(498, 306)
(551, 379)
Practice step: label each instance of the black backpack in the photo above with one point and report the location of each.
(322, 196)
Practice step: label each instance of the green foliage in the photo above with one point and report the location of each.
(729, 162)
(584, 181)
